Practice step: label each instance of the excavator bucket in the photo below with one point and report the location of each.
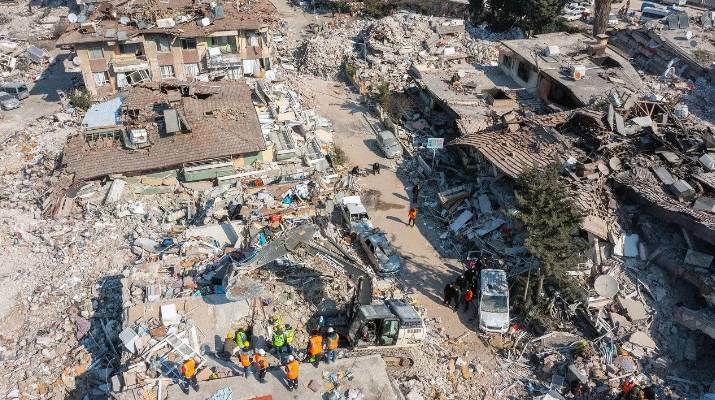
(274, 250)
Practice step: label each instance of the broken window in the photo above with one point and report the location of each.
(523, 71)
(507, 61)
(167, 71)
(138, 77)
(163, 44)
(130, 48)
(191, 70)
(253, 40)
(122, 80)
(188, 43)
(96, 53)
(227, 44)
(101, 78)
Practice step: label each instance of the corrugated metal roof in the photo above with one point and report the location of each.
(104, 114)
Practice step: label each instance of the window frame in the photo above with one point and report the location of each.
(159, 40)
(185, 43)
(164, 76)
(91, 51)
(192, 66)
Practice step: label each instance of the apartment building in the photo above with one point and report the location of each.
(192, 41)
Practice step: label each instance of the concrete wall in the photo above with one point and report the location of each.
(512, 70)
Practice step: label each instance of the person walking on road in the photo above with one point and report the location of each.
(291, 369)
(411, 216)
(376, 168)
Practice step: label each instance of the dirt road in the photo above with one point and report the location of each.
(388, 196)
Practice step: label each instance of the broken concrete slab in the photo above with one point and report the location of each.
(635, 310)
(369, 375)
(630, 245)
(664, 175)
(706, 204)
(115, 191)
(460, 221)
(642, 339)
(225, 234)
(682, 190)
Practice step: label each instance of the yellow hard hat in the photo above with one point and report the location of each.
(230, 335)
(246, 343)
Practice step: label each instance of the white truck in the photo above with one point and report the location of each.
(355, 215)
(493, 301)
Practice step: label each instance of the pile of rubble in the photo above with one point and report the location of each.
(383, 50)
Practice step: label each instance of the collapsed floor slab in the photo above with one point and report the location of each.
(368, 373)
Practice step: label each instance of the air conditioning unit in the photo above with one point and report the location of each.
(578, 72)
(552, 51)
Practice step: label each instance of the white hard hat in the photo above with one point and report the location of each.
(186, 358)
(261, 352)
(291, 358)
(331, 330)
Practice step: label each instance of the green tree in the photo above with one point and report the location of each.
(551, 223)
(533, 16)
(476, 10)
(81, 98)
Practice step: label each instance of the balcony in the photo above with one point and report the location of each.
(128, 63)
(218, 60)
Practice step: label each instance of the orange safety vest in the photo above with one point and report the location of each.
(412, 214)
(188, 368)
(333, 341)
(292, 369)
(261, 362)
(316, 345)
(469, 295)
(244, 359)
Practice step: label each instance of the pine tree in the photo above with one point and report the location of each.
(551, 222)
(535, 16)
(476, 10)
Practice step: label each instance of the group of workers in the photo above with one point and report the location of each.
(463, 290)
(238, 344)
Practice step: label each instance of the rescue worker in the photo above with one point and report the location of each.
(289, 334)
(245, 361)
(291, 369)
(276, 322)
(278, 341)
(332, 345)
(261, 364)
(411, 216)
(468, 297)
(315, 347)
(241, 339)
(636, 392)
(376, 169)
(229, 346)
(188, 372)
(448, 294)
(415, 192)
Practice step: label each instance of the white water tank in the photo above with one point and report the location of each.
(578, 72)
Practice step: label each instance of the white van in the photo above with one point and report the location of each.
(493, 301)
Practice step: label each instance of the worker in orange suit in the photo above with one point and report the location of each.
(331, 345)
(291, 370)
(261, 364)
(245, 361)
(188, 372)
(315, 347)
(411, 216)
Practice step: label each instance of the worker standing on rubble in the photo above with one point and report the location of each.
(289, 334)
(315, 347)
(245, 361)
(633, 391)
(261, 364)
(278, 341)
(411, 216)
(415, 192)
(291, 369)
(188, 372)
(332, 345)
(242, 339)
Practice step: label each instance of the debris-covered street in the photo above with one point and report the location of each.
(357, 200)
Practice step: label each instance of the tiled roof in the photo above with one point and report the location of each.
(511, 152)
(224, 124)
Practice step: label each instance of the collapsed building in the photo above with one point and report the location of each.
(674, 45)
(119, 45)
(201, 129)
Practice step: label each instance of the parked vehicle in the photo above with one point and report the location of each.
(613, 20)
(653, 13)
(493, 301)
(8, 102)
(355, 215)
(388, 144)
(380, 253)
(16, 89)
(574, 8)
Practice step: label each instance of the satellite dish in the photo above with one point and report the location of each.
(77, 61)
(72, 18)
(124, 20)
(606, 286)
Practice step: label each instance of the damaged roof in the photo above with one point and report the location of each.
(104, 24)
(219, 120)
(603, 73)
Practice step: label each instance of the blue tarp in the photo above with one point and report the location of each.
(104, 114)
